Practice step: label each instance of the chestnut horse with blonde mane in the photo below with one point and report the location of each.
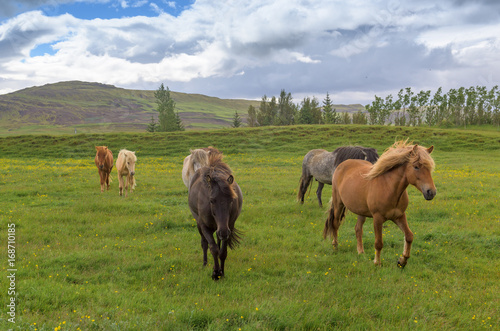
(194, 161)
(125, 165)
(379, 191)
(104, 163)
(215, 200)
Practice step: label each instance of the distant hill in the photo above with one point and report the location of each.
(93, 107)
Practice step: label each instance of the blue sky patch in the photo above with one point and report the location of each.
(43, 49)
(118, 9)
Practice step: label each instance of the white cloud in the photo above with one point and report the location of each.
(347, 48)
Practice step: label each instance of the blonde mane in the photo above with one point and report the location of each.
(400, 153)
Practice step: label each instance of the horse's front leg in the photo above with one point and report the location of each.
(214, 249)
(204, 246)
(120, 183)
(378, 222)
(318, 193)
(102, 178)
(403, 225)
(108, 174)
(223, 256)
(359, 233)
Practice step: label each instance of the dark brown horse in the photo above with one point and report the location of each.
(321, 164)
(104, 162)
(215, 200)
(379, 191)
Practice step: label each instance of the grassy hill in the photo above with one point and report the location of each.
(93, 107)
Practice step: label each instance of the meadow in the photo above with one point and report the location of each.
(88, 260)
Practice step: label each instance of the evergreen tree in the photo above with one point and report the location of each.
(236, 120)
(168, 119)
(179, 126)
(153, 125)
(330, 115)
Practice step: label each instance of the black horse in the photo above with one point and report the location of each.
(215, 200)
(321, 165)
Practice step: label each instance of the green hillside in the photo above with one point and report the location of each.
(92, 107)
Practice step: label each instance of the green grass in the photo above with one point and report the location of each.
(95, 261)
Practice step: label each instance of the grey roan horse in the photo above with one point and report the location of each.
(321, 165)
(215, 200)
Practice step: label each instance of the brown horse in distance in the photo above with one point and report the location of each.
(104, 163)
(379, 191)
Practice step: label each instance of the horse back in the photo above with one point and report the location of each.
(318, 163)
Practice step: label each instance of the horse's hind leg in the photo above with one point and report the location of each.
(318, 193)
(359, 233)
(204, 247)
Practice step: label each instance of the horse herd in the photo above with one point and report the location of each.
(362, 182)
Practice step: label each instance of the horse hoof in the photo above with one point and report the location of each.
(401, 265)
(216, 275)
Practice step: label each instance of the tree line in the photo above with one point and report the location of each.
(282, 111)
(458, 107)
(475, 105)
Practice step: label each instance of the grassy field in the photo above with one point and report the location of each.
(92, 261)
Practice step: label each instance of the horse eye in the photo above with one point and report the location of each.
(416, 168)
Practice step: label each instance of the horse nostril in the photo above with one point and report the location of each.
(132, 173)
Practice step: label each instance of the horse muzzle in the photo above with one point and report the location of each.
(429, 194)
(101, 166)
(223, 234)
(132, 173)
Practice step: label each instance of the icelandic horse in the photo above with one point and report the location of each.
(104, 163)
(379, 191)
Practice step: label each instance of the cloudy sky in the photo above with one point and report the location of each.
(245, 49)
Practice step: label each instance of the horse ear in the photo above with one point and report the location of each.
(97, 148)
(208, 179)
(430, 149)
(415, 149)
(105, 148)
(230, 179)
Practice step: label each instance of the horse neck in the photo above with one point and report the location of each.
(396, 180)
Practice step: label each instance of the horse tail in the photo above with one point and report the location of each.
(234, 238)
(328, 230)
(331, 223)
(305, 182)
